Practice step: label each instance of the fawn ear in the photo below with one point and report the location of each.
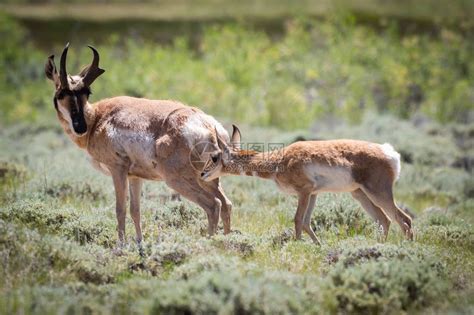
(235, 140)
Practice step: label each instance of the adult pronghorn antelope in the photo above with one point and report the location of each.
(366, 170)
(133, 139)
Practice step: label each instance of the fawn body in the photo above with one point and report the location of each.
(366, 170)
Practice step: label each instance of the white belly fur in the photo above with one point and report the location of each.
(137, 146)
(330, 179)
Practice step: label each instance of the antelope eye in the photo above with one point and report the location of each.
(214, 158)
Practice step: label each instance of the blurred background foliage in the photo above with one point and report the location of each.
(272, 70)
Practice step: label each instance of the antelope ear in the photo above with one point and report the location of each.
(84, 71)
(221, 143)
(50, 71)
(235, 140)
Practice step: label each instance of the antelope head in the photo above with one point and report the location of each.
(72, 91)
(215, 167)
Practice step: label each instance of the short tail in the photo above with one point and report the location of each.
(393, 158)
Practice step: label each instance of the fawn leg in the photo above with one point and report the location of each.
(303, 202)
(375, 212)
(307, 220)
(383, 198)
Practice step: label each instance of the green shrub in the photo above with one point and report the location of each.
(45, 258)
(65, 221)
(340, 214)
(79, 191)
(348, 254)
(455, 235)
(178, 215)
(385, 286)
(384, 278)
(282, 238)
(10, 170)
(239, 243)
(231, 293)
(11, 175)
(215, 263)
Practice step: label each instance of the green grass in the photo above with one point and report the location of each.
(57, 235)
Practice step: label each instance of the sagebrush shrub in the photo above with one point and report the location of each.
(35, 256)
(385, 286)
(59, 220)
(340, 213)
(177, 215)
(205, 263)
(239, 243)
(233, 293)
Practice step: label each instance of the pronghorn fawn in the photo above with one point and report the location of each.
(306, 168)
(136, 139)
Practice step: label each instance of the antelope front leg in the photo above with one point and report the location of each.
(120, 184)
(216, 190)
(226, 211)
(303, 202)
(193, 191)
(135, 190)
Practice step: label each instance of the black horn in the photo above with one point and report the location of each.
(62, 70)
(93, 71)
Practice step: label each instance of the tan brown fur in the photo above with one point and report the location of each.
(306, 168)
(133, 139)
(164, 121)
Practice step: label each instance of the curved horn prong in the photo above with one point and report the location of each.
(93, 71)
(62, 69)
(95, 61)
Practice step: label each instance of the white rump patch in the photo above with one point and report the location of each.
(198, 128)
(393, 157)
